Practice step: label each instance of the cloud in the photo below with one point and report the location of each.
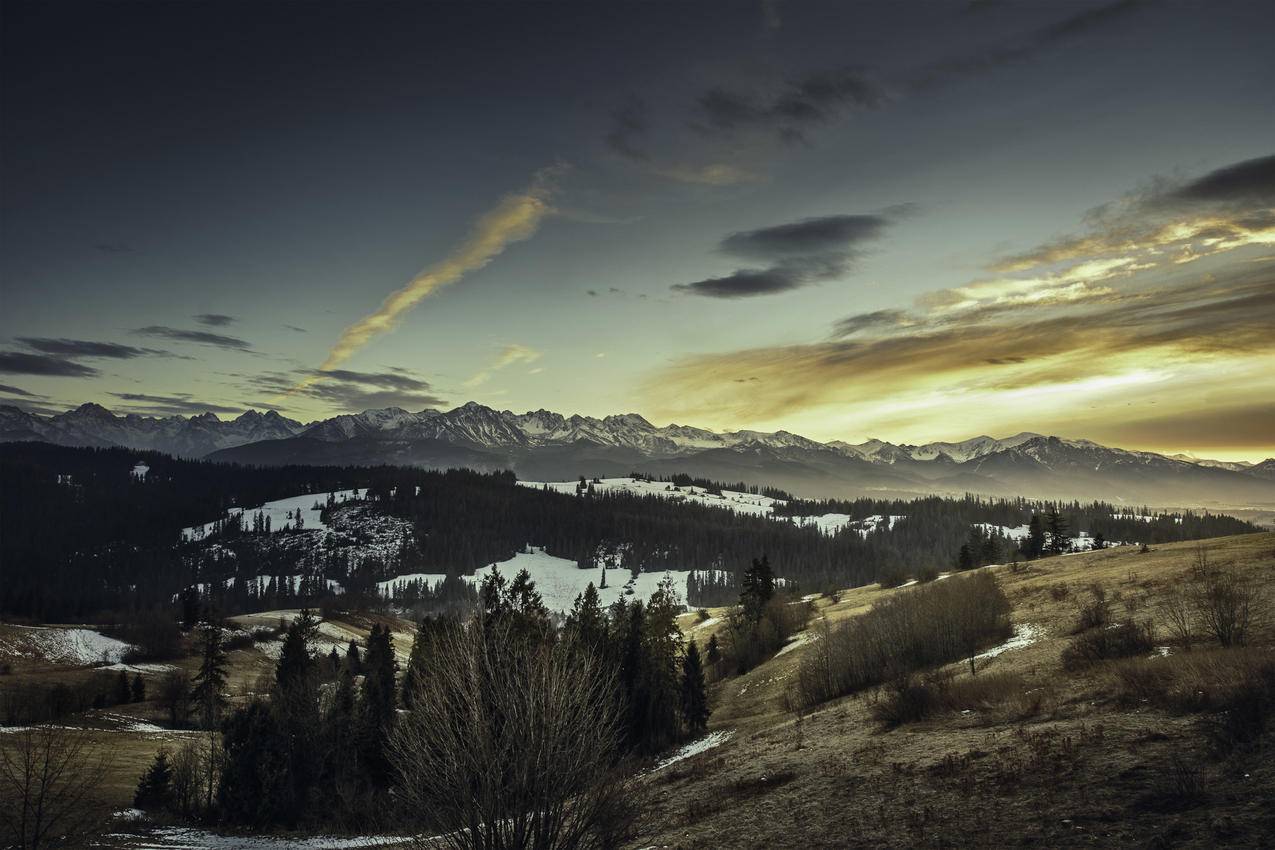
(508, 356)
(1026, 48)
(802, 238)
(198, 337)
(24, 363)
(296, 329)
(88, 348)
(514, 219)
(814, 98)
(170, 405)
(852, 325)
(215, 320)
(1251, 181)
(800, 253)
(8, 390)
(628, 138)
(346, 390)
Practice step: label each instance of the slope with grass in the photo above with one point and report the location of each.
(1161, 749)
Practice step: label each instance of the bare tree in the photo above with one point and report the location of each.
(1177, 611)
(1228, 604)
(512, 743)
(47, 777)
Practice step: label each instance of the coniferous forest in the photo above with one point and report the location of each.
(82, 537)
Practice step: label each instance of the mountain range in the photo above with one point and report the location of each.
(542, 445)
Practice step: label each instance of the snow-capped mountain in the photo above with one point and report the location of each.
(543, 445)
(195, 436)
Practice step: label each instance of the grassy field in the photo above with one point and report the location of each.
(1028, 755)
(1023, 753)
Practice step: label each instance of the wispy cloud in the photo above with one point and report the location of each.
(180, 404)
(515, 218)
(799, 253)
(508, 356)
(89, 348)
(345, 390)
(25, 363)
(197, 337)
(629, 139)
(215, 320)
(18, 391)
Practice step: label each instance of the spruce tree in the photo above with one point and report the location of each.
(139, 689)
(1057, 527)
(155, 785)
(377, 707)
(714, 653)
(694, 695)
(209, 684)
(123, 691)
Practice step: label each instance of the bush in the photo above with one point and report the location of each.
(925, 626)
(1121, 641)
(910, 698)
(1094, 613)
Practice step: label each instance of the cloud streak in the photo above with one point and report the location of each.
(514, 219)
(196, 337)
(799, 253)
(509, 355)
(89, 348)
(25, 363)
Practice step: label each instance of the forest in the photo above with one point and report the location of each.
(82, 537)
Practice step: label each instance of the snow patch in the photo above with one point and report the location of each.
(1025, 634)
(694, 748)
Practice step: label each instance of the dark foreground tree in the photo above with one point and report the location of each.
(694, 695)
(48, 778)
(512, 744)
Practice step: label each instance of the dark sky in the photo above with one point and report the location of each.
(774, 214)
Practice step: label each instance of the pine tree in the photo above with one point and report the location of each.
(155, 785)
(377, 707)
(209, 683)
(1099, 542)
(758, 586)
(1057, 527)
(1034, 544)
(139, 689)
(123, 691)
(714, 653)
(352, 661)
(964, 560)
(694, 695)
(586, 623)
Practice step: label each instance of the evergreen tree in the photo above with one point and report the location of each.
(714, 653)
(377, 707)
(587, 623)
(139, 689)
(694, 694)
(352, 661)
(255, 787)
(1034, 544)
(1057, 528)
(209, 685)
(965, 559)
(758, 586)
(295, 705)
(154, 788)
(123, 691)
(1099, 542)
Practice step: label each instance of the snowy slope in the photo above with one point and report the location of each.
(278, 511)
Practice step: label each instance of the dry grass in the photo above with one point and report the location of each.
(1043, 757)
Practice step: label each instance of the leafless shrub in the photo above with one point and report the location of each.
(1121, 641)
(47, 778)
(1094, 613)
(1199, 681)
(924, 626)
(1227, 604)
(512, 744)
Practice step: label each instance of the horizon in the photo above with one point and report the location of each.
(842, 222)
(225, 417)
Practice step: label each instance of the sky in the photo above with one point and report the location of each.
(911, 221)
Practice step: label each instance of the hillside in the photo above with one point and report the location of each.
(1044, 757)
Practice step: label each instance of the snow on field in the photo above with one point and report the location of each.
(560, 580)
(63, 645)
(1019, 533)
(142, 667)
(694, 748)
(1025, 634)
(744, 503)
(278, 511)
(797, 641)
(186, 838)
